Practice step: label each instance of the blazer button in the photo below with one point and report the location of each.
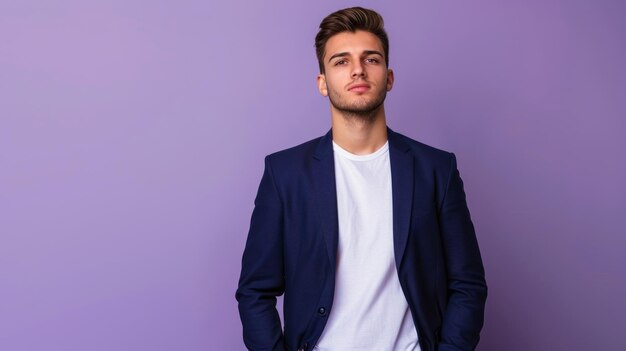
(321, 311)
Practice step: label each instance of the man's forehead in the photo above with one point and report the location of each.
(353, 42)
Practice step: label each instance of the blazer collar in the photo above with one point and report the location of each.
(402, 193)
(325, 145)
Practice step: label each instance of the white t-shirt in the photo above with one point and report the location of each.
(369, 309)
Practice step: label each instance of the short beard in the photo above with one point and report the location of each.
(358, 112)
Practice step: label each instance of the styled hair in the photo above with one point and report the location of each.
(350, 20)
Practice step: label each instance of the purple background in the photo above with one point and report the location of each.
(132, 136)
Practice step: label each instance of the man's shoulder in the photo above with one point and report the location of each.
(420, 149)
(299, 151)
(297, 158)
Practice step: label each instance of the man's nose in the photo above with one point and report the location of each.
(357, 70)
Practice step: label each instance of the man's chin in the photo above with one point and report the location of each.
(367, 111)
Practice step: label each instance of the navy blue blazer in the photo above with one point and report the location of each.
(292, 248)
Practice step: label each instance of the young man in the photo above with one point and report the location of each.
(365, 231)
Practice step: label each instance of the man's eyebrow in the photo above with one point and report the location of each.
(373, 52)
(365, 53)
(340, 54)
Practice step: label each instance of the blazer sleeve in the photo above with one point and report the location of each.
(467, 289)
(262, 275)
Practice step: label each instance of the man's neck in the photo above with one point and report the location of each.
(360, 135)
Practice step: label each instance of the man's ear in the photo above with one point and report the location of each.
(390, 79)
(321, 84)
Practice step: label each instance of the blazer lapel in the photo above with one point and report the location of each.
(325, 194)
(402, 182)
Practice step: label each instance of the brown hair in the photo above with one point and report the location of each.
(350, 20)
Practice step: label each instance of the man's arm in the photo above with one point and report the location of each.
(467, 289)
(262, 276)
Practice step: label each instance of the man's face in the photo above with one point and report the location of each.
(356, 79)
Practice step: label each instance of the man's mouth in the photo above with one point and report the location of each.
(359, 87)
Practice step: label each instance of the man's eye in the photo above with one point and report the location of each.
(340, 62)
(371, 60)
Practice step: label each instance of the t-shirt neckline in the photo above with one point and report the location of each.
(347, 154)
